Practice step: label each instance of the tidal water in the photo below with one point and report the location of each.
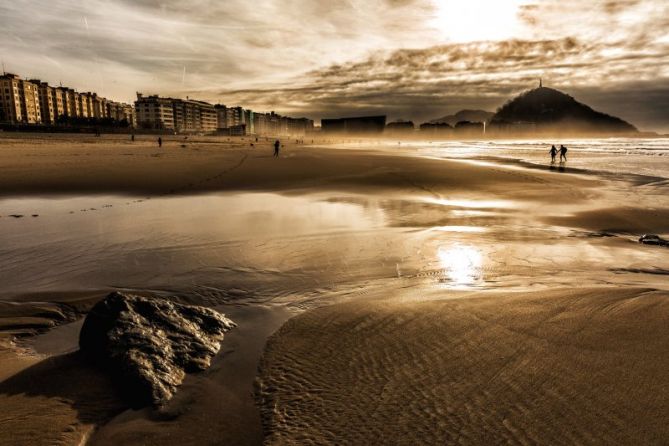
(635, 156)
(260, 247)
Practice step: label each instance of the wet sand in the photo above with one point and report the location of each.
(394, 342)
(89, 165)
(577, 366)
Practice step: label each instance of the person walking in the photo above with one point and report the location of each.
(563, 154)
(277, 145)
(553, 151)
(160, 141)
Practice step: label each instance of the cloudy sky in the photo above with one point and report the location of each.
(410, 59)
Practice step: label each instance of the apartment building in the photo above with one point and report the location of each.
(208, 116)
(181, 115)
(277, 125)
(58, 102)
(10, 101)
(36, 102)
(29, 96)
(46, 104)
(19, 100)
(154, 112)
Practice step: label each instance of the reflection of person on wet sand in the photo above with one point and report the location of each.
(553, 151)
(563, 153)
(277, 145)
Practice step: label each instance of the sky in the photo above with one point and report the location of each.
(409, 59)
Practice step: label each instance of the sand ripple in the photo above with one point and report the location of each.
(560, 367)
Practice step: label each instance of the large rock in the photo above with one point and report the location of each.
(149, 344)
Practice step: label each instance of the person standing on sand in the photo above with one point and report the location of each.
(553, 151)
(277, 145)
(563, 153)
(160, 141)
(132, 137)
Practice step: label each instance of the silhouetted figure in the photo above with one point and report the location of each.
(160, 141)
(277, 145)
(563, 153)
(132, 137)
(553, 151)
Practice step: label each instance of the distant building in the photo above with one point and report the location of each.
(400, 127)
(249, 118)
(221, 116)
(120, 112)
(470, 129)
(357, 125)
(181, 115)
(72, 109)
(154, 112)
(46, 101)
(436, 129)
(300, 126)
(237, 130)
(10, 100)
(29, 100)
(235, 116)
(99, 105)
(36, 102)
(58, 103)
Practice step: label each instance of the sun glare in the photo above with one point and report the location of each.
(462, 265)
(477, 20)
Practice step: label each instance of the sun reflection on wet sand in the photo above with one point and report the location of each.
(471, 204)
(468, 229)
(462, 265)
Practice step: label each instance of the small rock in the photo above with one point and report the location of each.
(149, 344)
(652, 239)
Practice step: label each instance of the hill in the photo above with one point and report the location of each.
(551, 110)
(465, 115)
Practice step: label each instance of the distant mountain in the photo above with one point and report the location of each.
(551, 110)
(465, 115)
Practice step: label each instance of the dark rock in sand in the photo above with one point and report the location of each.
(652, 239)
(149, 344)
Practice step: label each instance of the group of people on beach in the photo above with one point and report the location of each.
(554, 151)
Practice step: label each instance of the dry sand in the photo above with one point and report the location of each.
(561, 367)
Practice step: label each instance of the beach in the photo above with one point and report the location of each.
(384, 293)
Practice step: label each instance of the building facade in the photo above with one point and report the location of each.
(154, 112)
(36, 102)
(10, 101)
(180, 115)
(29, 98)
(46, 103)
